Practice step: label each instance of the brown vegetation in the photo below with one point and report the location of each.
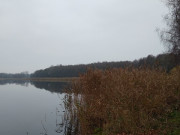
(119, 101)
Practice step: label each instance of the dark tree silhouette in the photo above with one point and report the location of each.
(164, 61)
(171, 36)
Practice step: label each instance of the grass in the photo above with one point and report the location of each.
(174, 123)
(125, 101)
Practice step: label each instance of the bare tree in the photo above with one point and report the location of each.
(171, 36)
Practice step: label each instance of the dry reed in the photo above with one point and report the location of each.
(124, 101)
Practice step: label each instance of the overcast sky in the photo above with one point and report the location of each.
(36, 34)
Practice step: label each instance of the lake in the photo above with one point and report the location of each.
(32, 108)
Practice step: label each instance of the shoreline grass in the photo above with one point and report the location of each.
(125, 101)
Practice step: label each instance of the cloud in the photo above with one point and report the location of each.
(40, 33)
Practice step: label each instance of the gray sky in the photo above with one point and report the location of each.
(36, 34)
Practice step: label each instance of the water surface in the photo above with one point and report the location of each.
(31, 108)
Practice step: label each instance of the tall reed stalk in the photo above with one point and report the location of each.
(124, 101)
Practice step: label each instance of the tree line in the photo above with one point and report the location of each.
(16, 75)
(164, 61)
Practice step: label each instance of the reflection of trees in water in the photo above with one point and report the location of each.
(63, 116)
(57, 87)
(11, 81)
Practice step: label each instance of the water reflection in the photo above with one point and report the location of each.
(11, 81)
(57, 87)
(62, 121)
(33, 110)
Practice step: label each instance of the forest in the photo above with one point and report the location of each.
(163, 61)
(16, 75)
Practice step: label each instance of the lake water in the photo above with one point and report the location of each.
(31, 108)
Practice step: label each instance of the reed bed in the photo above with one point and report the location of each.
(124, 102)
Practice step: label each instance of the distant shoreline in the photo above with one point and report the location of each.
(46, 79)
